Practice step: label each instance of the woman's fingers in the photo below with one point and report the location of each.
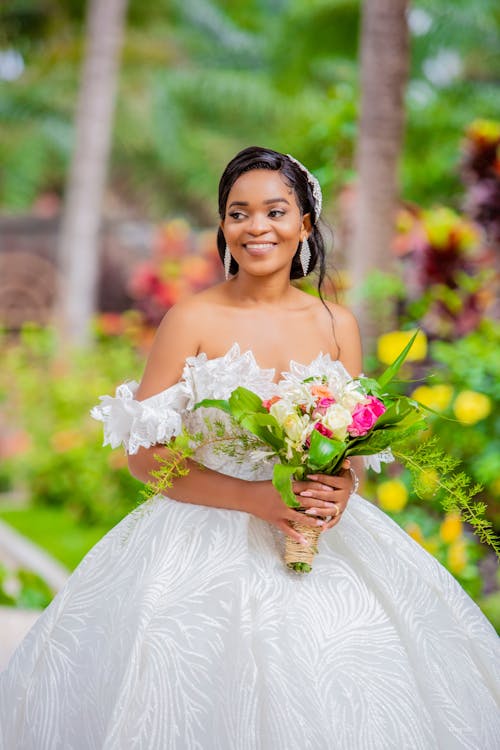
(339, 481)
(288, 530)
(306, 520)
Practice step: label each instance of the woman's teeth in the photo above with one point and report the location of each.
(259, 246)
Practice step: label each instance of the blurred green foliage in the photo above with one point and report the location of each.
(62, 462)
(57, 530)
(202, 78)
(23, 588)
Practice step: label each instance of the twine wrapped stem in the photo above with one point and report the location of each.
(298, 556)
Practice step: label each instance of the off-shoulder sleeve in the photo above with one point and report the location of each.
(141, 424)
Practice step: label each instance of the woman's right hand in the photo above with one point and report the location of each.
(264, 501)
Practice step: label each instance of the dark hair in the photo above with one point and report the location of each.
(255, 157)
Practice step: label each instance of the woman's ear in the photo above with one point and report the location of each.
(306, 226)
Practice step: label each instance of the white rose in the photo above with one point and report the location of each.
(281, 410)
(352, 396)
(337, 419)
(294, 426)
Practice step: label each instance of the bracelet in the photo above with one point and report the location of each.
(355, 481)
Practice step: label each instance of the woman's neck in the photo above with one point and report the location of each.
(250, 290)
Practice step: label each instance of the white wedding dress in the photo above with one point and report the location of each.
(182, 629)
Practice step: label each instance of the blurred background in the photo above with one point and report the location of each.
(116, 121)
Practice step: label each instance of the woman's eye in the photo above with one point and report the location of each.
(236, 215)
(276, 212)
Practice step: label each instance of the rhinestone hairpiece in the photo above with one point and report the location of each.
(313, 182)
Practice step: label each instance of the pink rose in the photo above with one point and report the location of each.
(364, 416)
(376, 406)
(323, 405)
(321, 429)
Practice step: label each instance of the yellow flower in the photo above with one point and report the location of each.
(392, 495)
(390, 345)
(457, 556)
(485, 130)
(428, 482)
(436, 397)
(414, 530)
(451, 528)
(470, 407)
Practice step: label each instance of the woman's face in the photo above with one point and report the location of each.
(263, 224)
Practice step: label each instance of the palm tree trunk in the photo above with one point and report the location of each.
(384, 70)
(79, 233)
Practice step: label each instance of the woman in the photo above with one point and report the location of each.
(182, 628)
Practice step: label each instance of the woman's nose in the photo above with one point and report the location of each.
(258, 223)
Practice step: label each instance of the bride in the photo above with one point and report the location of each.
(182, 629)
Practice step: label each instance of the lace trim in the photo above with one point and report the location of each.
(373, 462)
(218, 376)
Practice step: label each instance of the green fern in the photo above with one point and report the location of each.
(457, 488)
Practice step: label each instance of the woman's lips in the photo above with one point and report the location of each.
(259, 248)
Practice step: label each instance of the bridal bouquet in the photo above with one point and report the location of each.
(313, 425)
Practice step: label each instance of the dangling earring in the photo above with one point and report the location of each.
(305, 256)
(227, 262)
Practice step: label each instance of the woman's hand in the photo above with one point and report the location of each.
(324, 496)
(264, 501)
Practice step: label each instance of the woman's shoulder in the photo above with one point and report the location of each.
(178, 337)
(191, 315)
(343, 317)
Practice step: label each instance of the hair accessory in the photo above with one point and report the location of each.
(316, 187)
(305, 256)
(227, 262)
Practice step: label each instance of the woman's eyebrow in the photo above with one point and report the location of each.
(271, 200)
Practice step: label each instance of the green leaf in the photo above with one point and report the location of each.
(215, 404)
(395, 413)
(282, 480)
(265, 427)
(391, 371)
(391, 436)
(324, 450)
(370, 385)
(243, 402)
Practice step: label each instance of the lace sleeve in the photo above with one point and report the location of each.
(141, 424)
(373, 462)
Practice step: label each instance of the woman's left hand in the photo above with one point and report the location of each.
(326, 496)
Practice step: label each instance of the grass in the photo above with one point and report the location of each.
(56, 531)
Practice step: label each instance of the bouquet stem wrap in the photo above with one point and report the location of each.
(299, 557)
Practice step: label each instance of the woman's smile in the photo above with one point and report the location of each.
(258, 248)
